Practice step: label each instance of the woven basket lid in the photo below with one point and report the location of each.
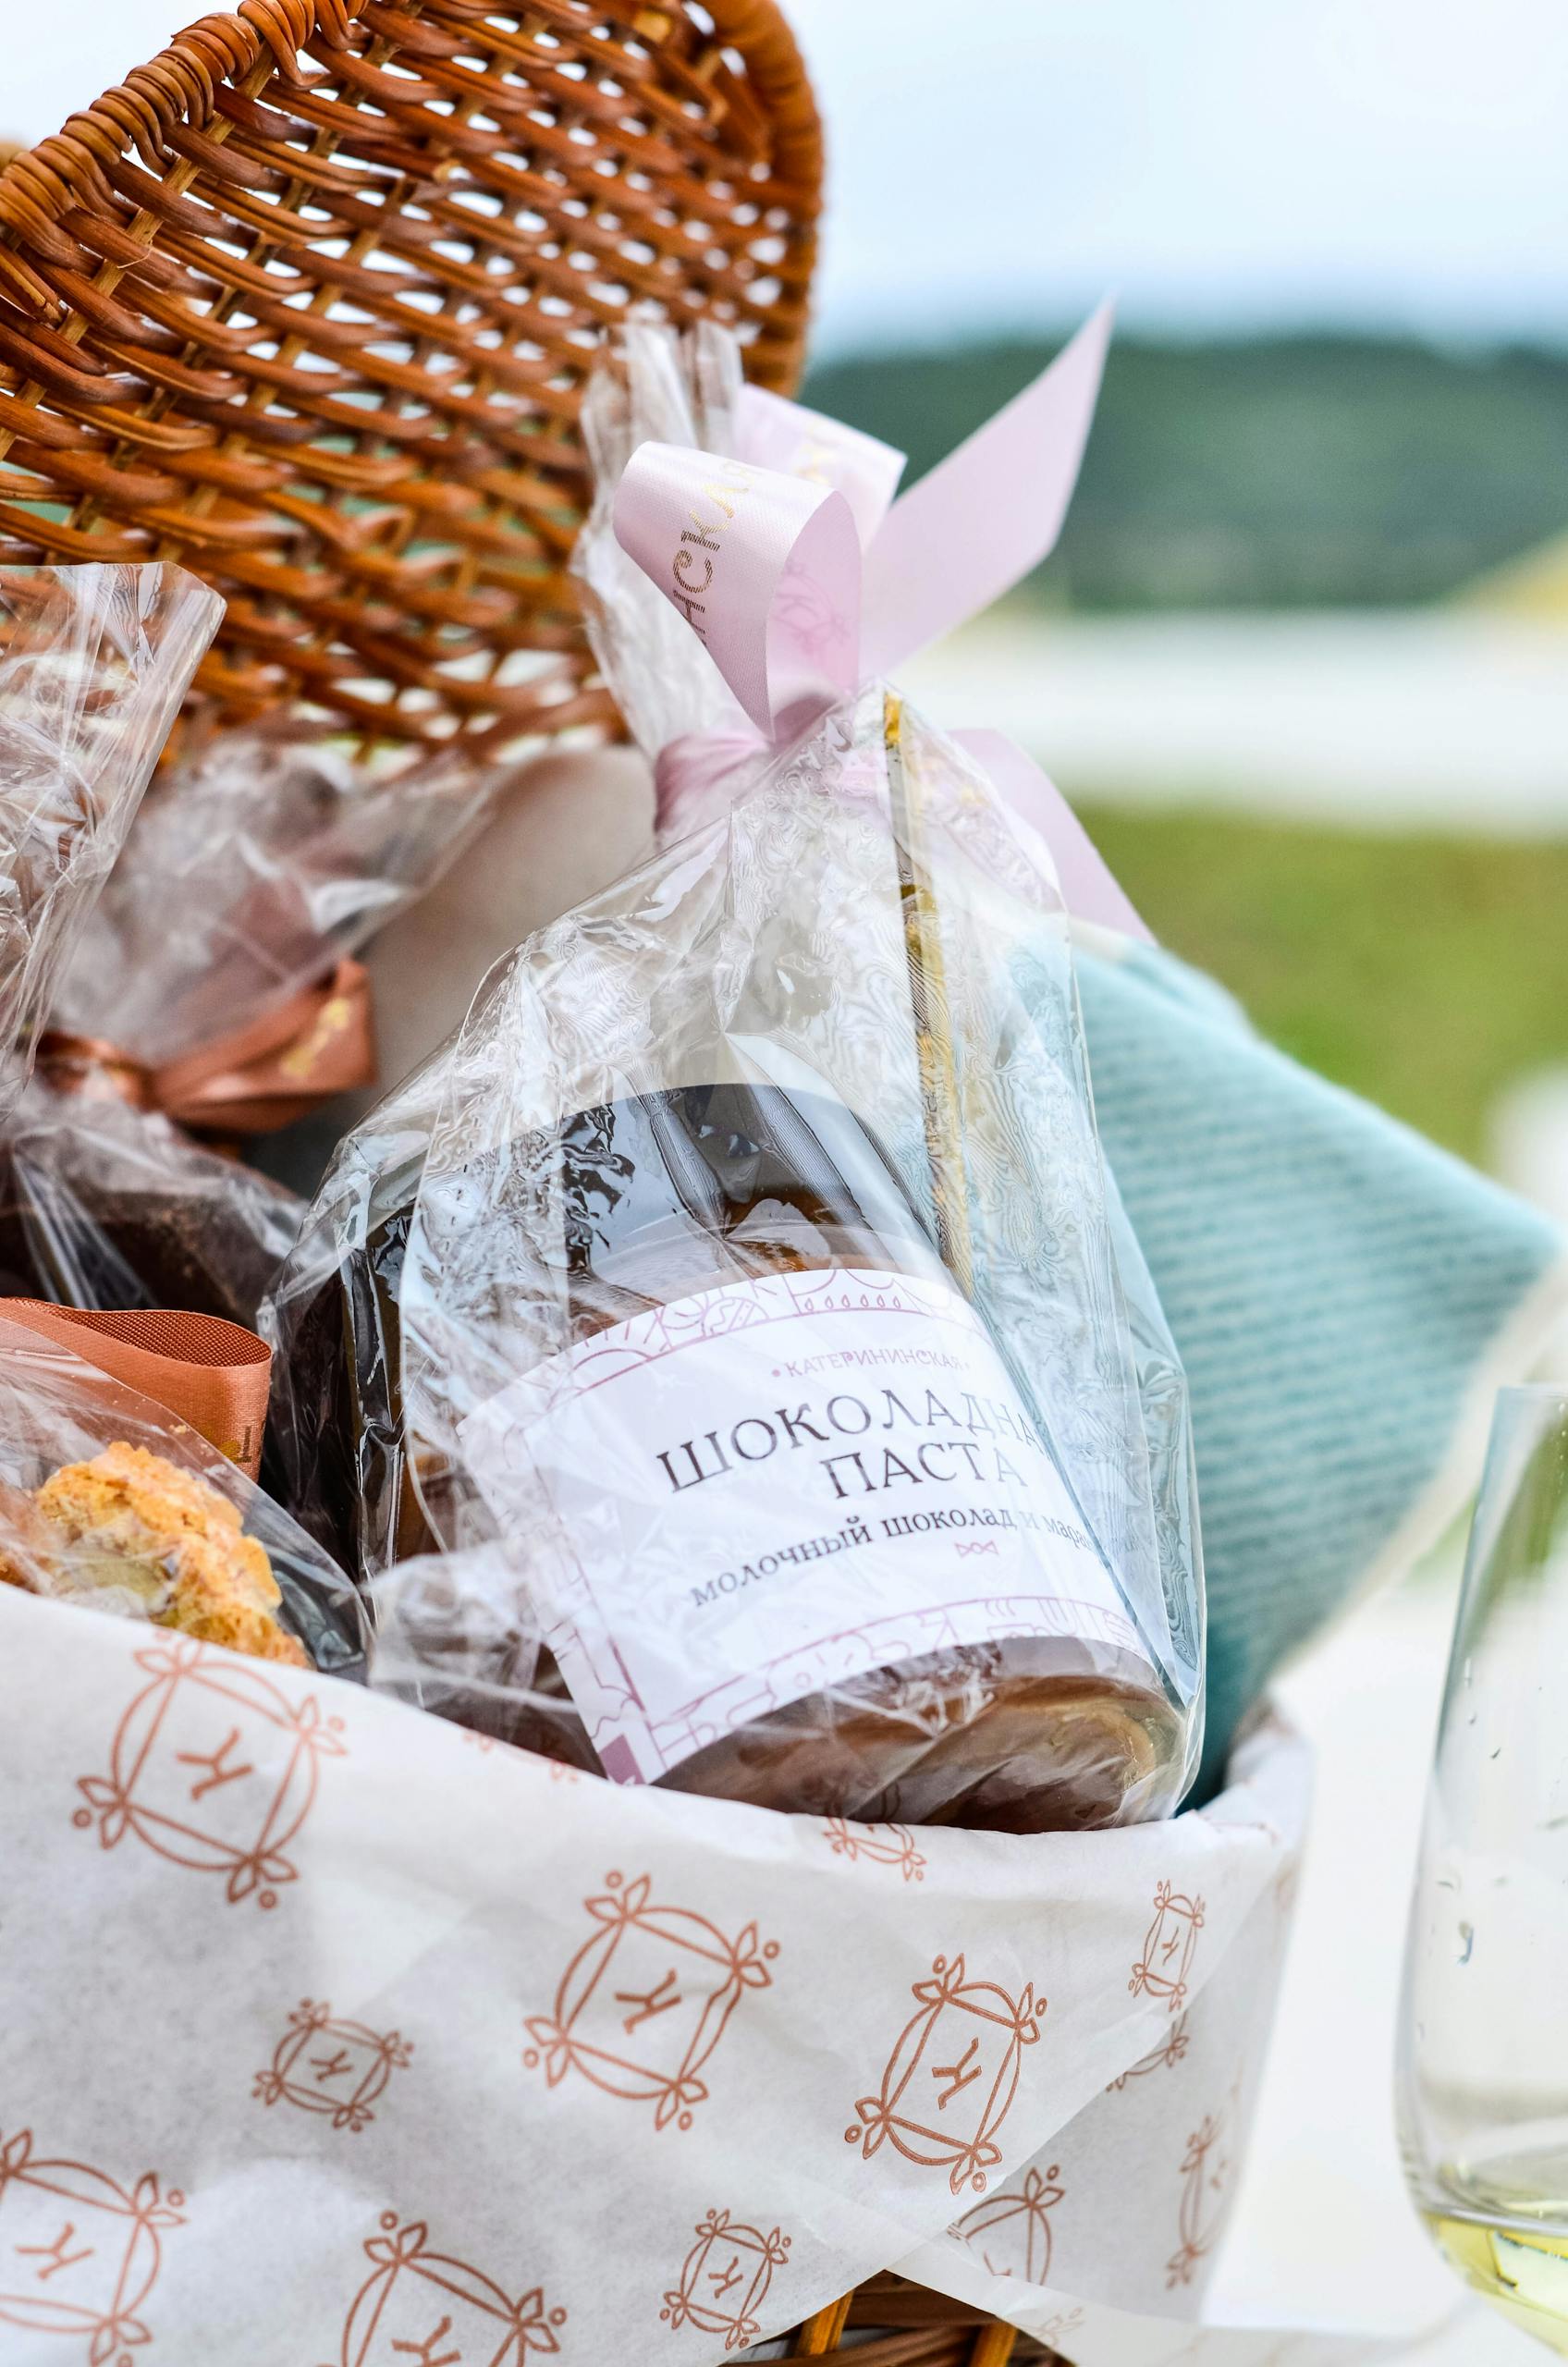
(306, 306)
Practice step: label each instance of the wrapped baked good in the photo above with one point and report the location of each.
(132, 1528)
(210, 969)
(107, 1205)
(212, 995)
(93, 664)
(109, 1501)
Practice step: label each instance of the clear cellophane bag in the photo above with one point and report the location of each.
(832, 1033)
(262, 861)
(58, 1411)
(93, 664)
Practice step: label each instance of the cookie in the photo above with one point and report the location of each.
(170, 1546)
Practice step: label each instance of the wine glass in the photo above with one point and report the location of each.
(1483, 2072)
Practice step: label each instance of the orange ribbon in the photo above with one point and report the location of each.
(252, 1081)
(208, 1372)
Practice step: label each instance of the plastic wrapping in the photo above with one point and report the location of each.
(57, 1411)
(654, 388)
(448, 1638)
(332, 1319)
(805, 1098)
(94, 664)
(702, 1105)
(265, 859)
(103, 1205)
(452, 1632)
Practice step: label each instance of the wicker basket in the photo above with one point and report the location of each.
(927, 2331)
(306, 306)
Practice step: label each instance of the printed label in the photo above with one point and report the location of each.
(767, 1488)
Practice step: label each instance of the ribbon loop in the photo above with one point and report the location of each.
(761, 555)
(764, 562)
(764, 568)
(774, 433)
(261, 1077)
(207, 1372)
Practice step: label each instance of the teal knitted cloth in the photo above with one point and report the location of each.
(1344, 1296)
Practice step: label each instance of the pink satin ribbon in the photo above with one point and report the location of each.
(765, 570)
(805, 578)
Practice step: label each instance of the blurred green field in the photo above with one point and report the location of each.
(1273, 471)
(1424, 972)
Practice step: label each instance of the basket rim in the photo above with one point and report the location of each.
(91, 204)
(178, 89)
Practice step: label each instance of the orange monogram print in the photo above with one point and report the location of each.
(1163, 1968)
(883, 1845)
(512, 1754)
(213, 1767)
(1011, 2229)
(421, 2308)
(80, 2252)
(1161, 2057)
(1056, 2329)
(646, 1999)
(326, 2065)
(952, 2075)
(1206, 2176)
(725, 2279)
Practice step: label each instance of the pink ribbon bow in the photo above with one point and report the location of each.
(804, 577)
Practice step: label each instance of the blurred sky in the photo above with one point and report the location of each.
(1222, 162)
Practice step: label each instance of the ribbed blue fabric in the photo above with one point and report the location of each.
(1334, 1284)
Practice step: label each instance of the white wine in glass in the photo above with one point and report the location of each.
(1483, 2075)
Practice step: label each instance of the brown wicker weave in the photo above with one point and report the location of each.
(307, 302)
(928, 2330)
